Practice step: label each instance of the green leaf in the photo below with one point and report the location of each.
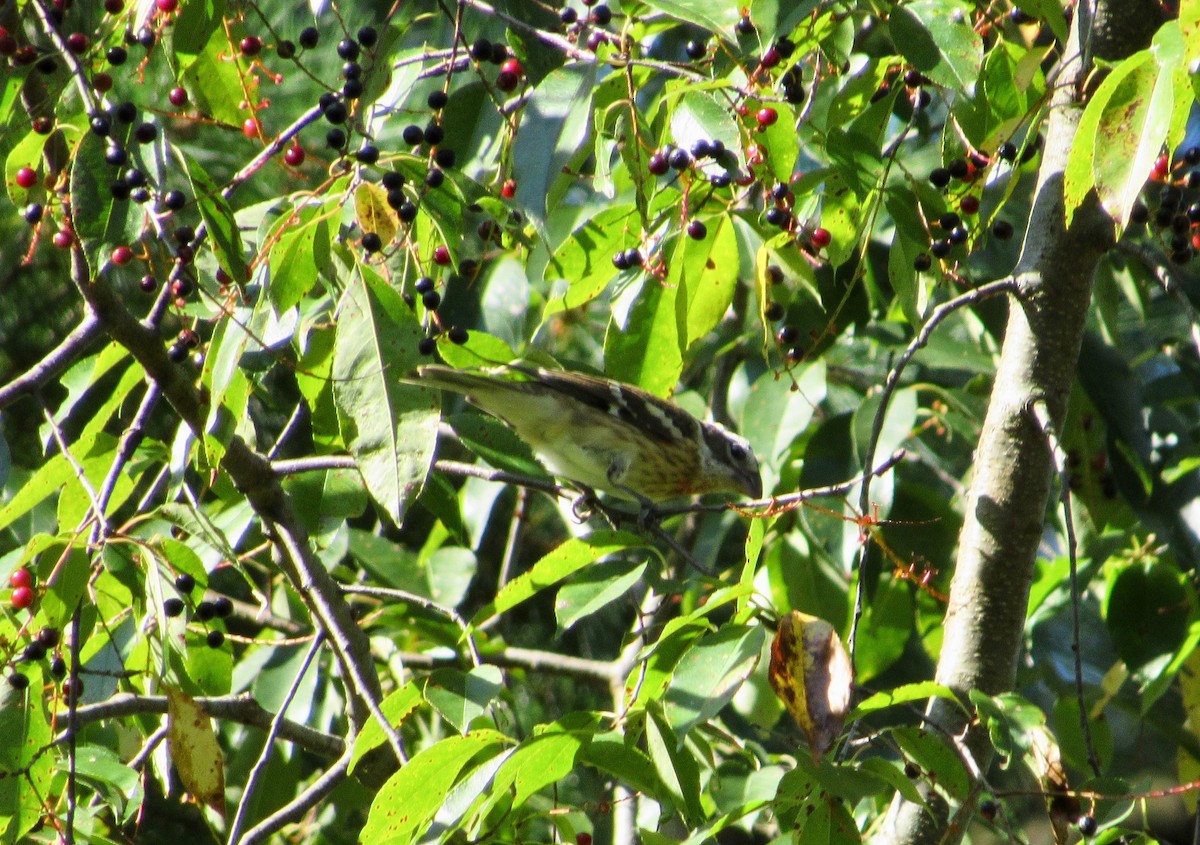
(701, 116)
(496, 443)
(537, 763)
(931, 753)
(707, 279)
(646, 348)
(900, 695)
(101, 222)
(389, 428)
(460, 697)
(27, 736)
(937, 39)
(675, 765)
(299, 251)
(776, 412)
(214, 84)
(595, 588)
(709, 674)
(585, 258)
(197, 23)
(223, 232)
(1135, 117)
(612, 754)
(565, 560)
(713, 17)
(396, 707)
(65, 572)
(405, 805)
(555, 129)
(1147, 609)
(829, 823)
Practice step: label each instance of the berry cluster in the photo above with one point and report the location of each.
(204, 611)
(44, 643)
(1171, 205)
(590, 26)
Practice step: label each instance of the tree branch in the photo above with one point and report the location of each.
(242, 709)
(55, 362)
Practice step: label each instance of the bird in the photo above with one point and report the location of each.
(600, 434)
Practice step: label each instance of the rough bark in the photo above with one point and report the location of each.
(1010, 489)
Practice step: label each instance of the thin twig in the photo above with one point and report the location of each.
(940, 313)
(80, 474)
(300, 555)
(420, 601)
(305, 801)
(260, 766)
(125, 449)
(1041, 413)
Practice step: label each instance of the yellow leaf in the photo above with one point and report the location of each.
(194, 750)
(373, 212)
(811, 673)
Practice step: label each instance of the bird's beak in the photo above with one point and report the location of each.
(752, 485)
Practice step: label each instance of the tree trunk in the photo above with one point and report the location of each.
(1010, 489)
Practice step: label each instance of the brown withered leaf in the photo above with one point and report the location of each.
(811, 673)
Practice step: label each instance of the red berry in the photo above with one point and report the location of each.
(755, 155)
(1161, 168)
(512, 66)
(22, 597)
(26, 177)
(770, 58)
(583, 839)
(821, 238)
(441, 256)
(102, 82)
(63, 238)
(122, 255)
(178, 97)
(251, 45)
(21, 578)
(293, 156)
(167, 6)
(114, 7)
(969, 204)
(766, 116)
(1196, 241)
(250, 127)
(509, 189)
(77, 42)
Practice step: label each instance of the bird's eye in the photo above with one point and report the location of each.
(738, 453)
